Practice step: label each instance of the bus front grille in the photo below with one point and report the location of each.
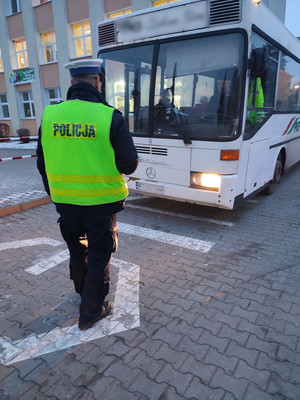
(157, 151)
(224, 11)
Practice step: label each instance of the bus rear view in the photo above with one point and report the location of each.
(181, 76)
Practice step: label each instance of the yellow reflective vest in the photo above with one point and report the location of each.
(79, 158)
(256, 91)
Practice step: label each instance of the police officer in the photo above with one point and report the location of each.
(84, 147)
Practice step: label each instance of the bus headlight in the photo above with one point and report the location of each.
(206, 181)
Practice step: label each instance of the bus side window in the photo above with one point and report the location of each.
(262, 84)
(256, 100)
(288, 95)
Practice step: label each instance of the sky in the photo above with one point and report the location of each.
(292, 16)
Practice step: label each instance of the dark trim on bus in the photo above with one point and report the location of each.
(261, 33)
(174, 38)
(152, 89)
(248, 135)
(286, 112)
(240, 199)
(282, 143)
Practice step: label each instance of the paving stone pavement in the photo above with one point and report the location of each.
(20, 181)
(219, 325)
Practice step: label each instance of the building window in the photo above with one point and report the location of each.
(21, 50)
(82, 39)
(15, 6)
(1, 65)
(54, 96)
(161, 2)
(38, 2)
(49, 47)
(28, 105)
(119, 13)
(4, 109)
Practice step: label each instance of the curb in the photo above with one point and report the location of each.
(25, 206)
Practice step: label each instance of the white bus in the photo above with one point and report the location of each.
(210, 91)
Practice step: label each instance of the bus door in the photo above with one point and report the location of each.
(261, 130)
(127, 84)
(136, 94)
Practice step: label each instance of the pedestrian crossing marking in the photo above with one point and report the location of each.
(168, 238)
(126, 315)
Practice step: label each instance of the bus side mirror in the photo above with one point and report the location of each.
(259, 62)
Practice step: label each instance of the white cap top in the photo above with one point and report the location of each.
(88, 66)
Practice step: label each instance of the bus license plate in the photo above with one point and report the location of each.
(147, 187)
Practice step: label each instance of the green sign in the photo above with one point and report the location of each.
(22, 76)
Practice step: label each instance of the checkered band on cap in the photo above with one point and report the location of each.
(79, 67)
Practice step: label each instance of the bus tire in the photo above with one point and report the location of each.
(278, 171)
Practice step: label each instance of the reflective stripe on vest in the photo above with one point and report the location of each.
(79, 158)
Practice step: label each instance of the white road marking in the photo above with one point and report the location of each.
(29, 242)
(43, 265)
(169, 238)
(126, 305)
(14, 145)
(22, 196)
(48, 263)
(126, 315)
(179, 215)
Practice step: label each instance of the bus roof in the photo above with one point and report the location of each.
(194, 16)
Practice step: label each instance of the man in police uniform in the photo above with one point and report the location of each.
(84, 147)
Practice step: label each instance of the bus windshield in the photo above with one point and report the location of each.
(188, 88)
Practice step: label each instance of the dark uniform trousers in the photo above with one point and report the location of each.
(91, 242)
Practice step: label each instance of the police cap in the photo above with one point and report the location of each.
(79, 67)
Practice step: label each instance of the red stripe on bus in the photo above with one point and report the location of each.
(292, 120)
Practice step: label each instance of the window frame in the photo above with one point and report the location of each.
(82, 37)
(1, 62)
(24, 51)
(285, 68)
(18, 6)
(148, 128)
(157, 3)
(39, 2)
(51, 45)
(30, 102)
(119, 13)
(2, 104)
(54, 100)
(261, 108)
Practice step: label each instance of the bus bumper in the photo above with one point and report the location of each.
(224, 198)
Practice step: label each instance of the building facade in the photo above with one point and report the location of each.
(37, 37)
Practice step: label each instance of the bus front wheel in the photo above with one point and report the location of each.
(276, 177)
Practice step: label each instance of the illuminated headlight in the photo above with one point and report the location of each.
(206, 181)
